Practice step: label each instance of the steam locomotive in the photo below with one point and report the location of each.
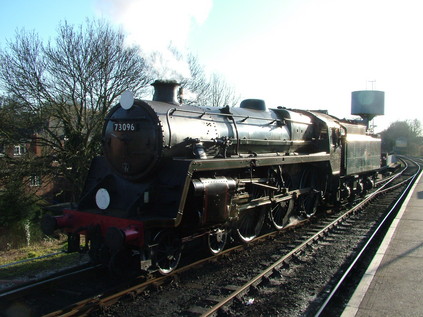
(171, 173)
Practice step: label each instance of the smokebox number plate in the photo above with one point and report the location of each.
(125, 127)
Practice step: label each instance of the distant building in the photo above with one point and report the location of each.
(401, 142)
(44, 186)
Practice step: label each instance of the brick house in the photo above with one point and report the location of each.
(42, 185)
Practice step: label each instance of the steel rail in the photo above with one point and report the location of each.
(85, 306)
(88, 305)
(399, 201)
(31, 285)
(269, 270)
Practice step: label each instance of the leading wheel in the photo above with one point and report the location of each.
(124, 263)
(166, 251)
(216, 240)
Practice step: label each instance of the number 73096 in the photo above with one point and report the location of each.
(124, 127)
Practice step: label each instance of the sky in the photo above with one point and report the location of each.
(306, 54)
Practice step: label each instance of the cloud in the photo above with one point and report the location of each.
(159, 28)
(154, 24)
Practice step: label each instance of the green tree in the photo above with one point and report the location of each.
(66, 87)
(20, 208)
(16, 204)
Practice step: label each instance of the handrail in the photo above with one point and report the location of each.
(230, 116)
(168, 124)
(238, 141)
(202, 113)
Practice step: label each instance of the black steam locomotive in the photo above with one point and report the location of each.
(171, 173)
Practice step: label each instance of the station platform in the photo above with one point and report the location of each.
(393, 283)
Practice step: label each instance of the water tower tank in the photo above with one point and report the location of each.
(368, 103)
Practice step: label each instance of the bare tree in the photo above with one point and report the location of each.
(415, 127)
(198, 87)
(210, 91)
(221, 93)
(68, 85)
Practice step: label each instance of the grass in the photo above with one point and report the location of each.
(39, 267)
(43, 247)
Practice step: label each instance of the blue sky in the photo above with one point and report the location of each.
(309, 54)
(41, 16)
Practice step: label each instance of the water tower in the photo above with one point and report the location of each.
(368, 104)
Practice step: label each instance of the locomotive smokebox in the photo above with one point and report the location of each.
(368, 103)
(166, 91)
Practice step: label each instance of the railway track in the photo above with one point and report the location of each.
(38, 296)
(342, 290)
(62, 289)
(207, 296)
(274, 271)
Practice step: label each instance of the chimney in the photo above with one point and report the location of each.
(166, 91)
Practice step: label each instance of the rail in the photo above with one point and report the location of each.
(277, 264)
(377, 231)
(100, 300)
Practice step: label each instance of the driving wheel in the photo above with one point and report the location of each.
(216, 240)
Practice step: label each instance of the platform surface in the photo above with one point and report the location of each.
(393, 283)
